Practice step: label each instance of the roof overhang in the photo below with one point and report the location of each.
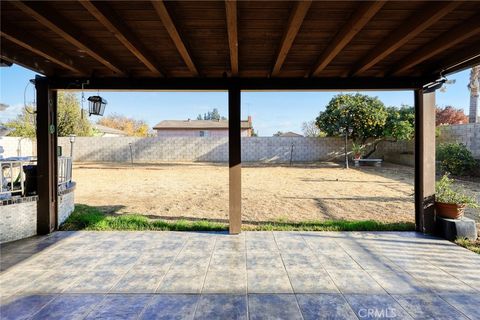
(255, 45)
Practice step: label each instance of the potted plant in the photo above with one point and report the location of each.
(357, 150)
(451, 202)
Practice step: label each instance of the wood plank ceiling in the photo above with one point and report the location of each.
(241, 39)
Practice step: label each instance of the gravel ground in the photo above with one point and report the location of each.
(270, 193)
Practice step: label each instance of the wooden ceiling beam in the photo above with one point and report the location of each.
(443, 42)
(294, 23)
(51, 19)
(168, 23)
(461, 60)
(364, 13)
(418, 22)
(113, 22)
(30, 63)
(232, 30)
(23, 39)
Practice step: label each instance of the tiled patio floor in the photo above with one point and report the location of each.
(255, 275)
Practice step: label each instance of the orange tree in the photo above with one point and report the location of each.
(367, 118)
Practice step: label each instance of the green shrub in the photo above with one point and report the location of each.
(455, 158)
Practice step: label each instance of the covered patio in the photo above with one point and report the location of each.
(233, 47)
(230, 46)
(253, 275)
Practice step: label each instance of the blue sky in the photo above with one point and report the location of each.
(270, 111)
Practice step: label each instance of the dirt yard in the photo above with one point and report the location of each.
(270, 193)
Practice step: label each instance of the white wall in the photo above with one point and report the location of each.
(13, 146)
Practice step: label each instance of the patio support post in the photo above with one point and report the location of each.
(234, 160)
(46, 157)
(424, 160)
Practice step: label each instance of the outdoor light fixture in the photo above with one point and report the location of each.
(72, 141)
(96, 105)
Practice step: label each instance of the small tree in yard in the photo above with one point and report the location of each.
(310, 129)
(368, 118)
(450, 115)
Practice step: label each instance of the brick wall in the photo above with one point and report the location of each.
(66, 205)
(214, 149)
(18, 221)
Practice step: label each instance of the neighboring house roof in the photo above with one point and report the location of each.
(289, 134)
(198, 124)
(108, 130)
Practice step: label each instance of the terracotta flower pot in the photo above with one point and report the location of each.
(449, 210)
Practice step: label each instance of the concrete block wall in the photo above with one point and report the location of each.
(214, 149)
(281, 149)
(468, 134)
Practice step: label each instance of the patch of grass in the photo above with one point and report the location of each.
(469, 244)
(333, 225)
(90, 218)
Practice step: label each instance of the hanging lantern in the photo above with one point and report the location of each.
(96, 105)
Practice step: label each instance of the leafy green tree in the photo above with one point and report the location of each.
(69, 120)
(368, 118)
(24, 124)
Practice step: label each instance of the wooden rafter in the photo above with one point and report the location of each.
(461, 60)
(446, 40)
(51, 19)
(110, 20)
(421, 20)
(26, 41)
(168, 23)
(231, 14)
(294, 23)
(30, 63)
(357, 21)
